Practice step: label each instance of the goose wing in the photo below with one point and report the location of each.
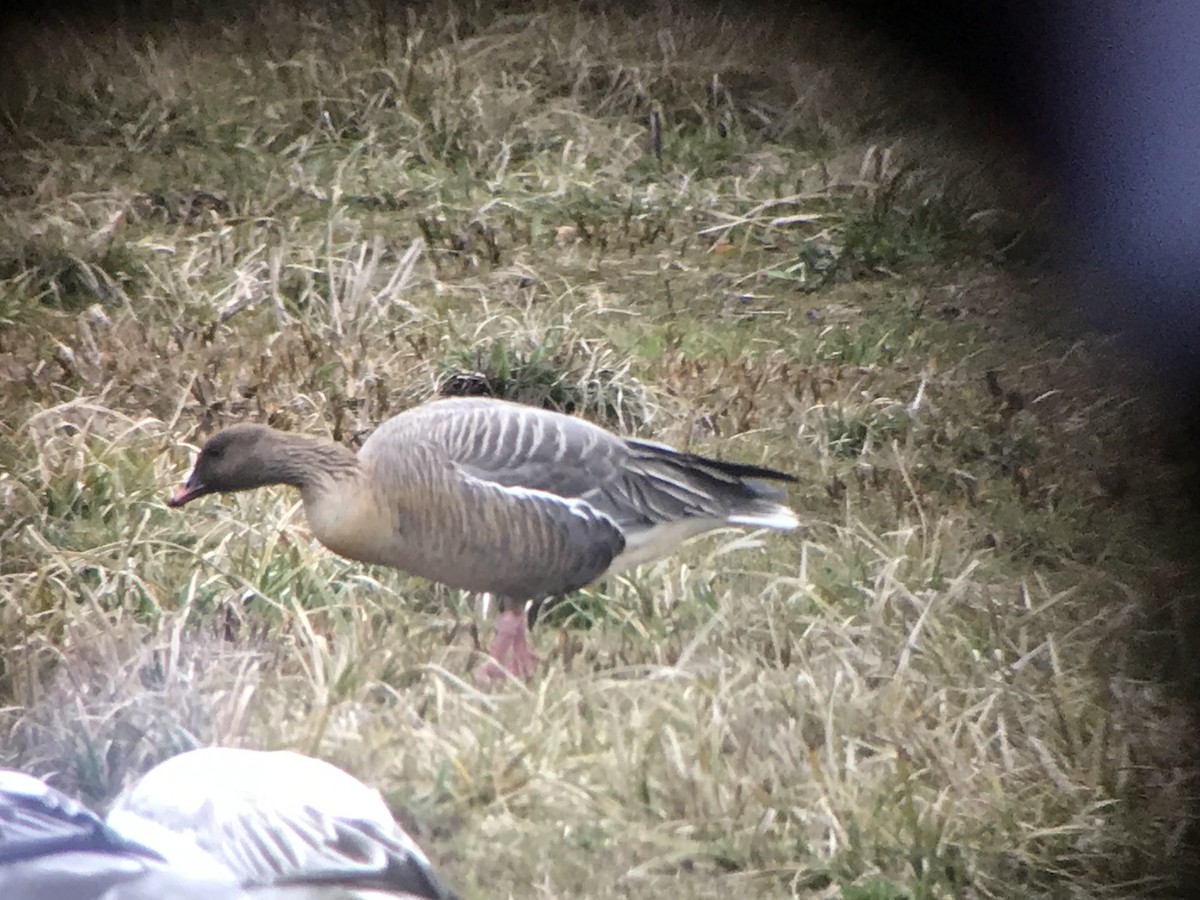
(638, 484)
(279, 819)
(507, 443)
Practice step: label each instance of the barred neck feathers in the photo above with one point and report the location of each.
(310, 463)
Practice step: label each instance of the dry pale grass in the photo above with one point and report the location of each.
(955, 680)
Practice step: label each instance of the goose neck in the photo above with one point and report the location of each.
(307, 462)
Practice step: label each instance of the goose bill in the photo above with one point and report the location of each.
(185, 493)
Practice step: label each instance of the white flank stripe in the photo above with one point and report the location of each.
(781, 519)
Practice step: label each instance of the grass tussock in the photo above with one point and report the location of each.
(956, 680)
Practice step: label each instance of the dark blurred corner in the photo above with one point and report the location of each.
(1106, 94)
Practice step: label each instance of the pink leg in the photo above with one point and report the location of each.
(511, 640)
(524, 661)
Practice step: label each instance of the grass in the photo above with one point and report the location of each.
(960, 678)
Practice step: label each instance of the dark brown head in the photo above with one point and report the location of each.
(236, 459)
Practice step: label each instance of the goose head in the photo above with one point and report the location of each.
(236, 459)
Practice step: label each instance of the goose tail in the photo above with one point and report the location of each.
(676, 484)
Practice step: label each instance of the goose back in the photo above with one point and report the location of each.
(506, 443)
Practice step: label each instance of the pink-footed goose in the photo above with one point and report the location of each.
(212, 824)
(495, 497)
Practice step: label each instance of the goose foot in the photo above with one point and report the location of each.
(511, 643)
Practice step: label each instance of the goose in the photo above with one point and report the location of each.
(220, 823)
(514, 502)
(54, 848)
